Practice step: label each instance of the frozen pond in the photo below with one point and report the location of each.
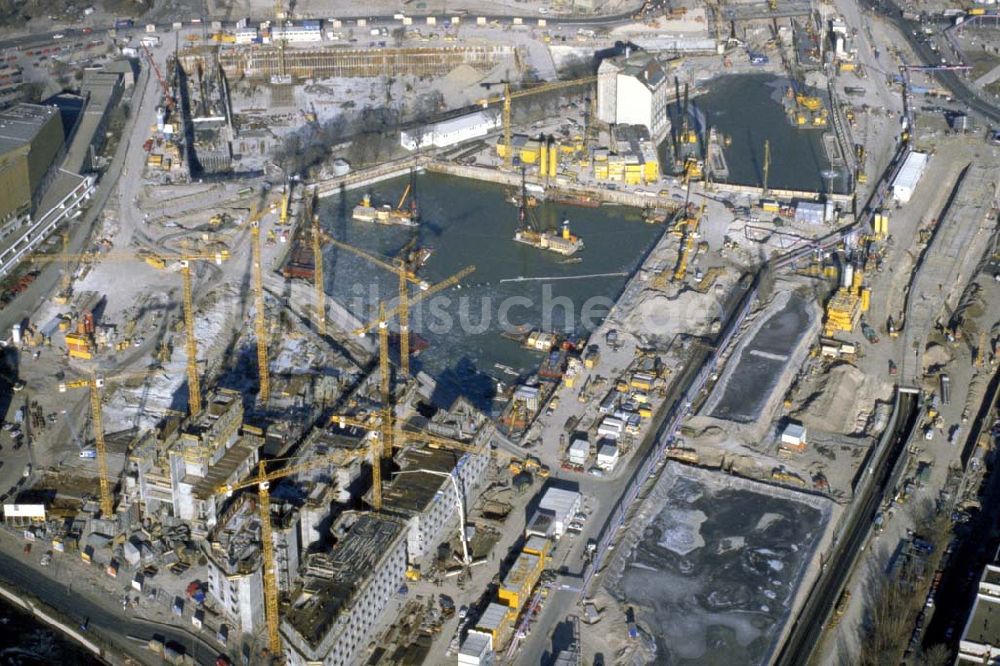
(714, 573)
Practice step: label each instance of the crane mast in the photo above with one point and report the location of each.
(270, 573)
(191, 343)
(260, 325)
(318, 279)
(384, 445)
(107, 504)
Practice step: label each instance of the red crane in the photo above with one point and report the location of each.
(159, 77)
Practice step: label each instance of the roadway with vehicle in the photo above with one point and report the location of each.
(102, 616)
(949, 79)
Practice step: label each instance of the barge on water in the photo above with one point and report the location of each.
(384, 214)
(563, 243)
(581, 200)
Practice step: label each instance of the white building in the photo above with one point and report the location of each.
(452, 131)
(234, 565)
(579, 451)
(980, 643)
(309, 31)
(345, 592)
(634, 90)
(427, 500)
(905, 183)
(559, 506)
(611, 427)
(607, 456)
(793, 434)
(477, 650)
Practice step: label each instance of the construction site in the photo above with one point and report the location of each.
(434, 352)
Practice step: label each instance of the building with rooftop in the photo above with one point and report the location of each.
(180, 472)
(425, 499)
(497, 621)
(477, 650)
(30, 139)
(233, 557)
(555, 512)
(101, 90)
(452, 131)
(980, 641)
(345, 593)
(634, 90)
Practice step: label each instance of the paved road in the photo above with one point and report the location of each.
(809, 625)
(107, 621)
(950, 80)
(530, 19)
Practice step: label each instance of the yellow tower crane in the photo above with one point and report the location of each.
(286, 201)
(260, 324)
(510, 95)
(95, 383)
(424, 294)
(163, 262)
(385, 427)
(406, 276)
(688, 244)
(262, 480)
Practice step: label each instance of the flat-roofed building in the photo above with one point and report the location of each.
(980, 641)
(334, 613)
(30, 139)
(634, 90)
(426, 499)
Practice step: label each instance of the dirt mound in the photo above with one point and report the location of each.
(656, 315)
(936, 356)
(832, 406)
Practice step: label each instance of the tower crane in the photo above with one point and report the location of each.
(260, 325)
(95, 383)
(510, 95)
(688, 244)
(263, 478)
(406, 276)
(162, 262)
(392, 311)
(385, 427)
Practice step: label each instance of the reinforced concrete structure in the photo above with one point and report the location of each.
(235, 581)
(980, 643)
(426, 501)
(327, 62)
(345, 593)
(179, 474)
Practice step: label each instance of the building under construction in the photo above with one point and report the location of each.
(345, 592)
(265, 62)
(426, 499)
(179, 471)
